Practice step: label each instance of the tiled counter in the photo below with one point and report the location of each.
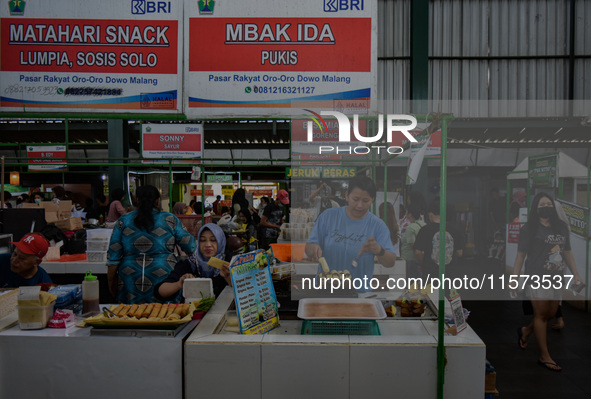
(399, 363)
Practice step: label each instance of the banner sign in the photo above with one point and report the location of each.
(218, 178)
(543, 171)
(321, 172)
(198, 192)
(513, 232)
(172, 140)
(264, 58)
(578, 218)
(108, 56)
(48, 153)
(254, 294)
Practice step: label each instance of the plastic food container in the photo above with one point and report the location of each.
(289, 252)
(99, 246)
(98, 234)
(96, 256)
(34, 317)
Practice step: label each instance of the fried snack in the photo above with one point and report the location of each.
(138, 313)
(170, 310)
(118, 309)
(155, 311)
(178, 309)
(174, 316)
(217, 263)
(163, 311)
(124, 310)
(148, 310)
(323, 264)
(132, 310)
(185, 309)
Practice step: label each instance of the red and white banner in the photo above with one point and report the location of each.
(256, 57)
(513, 232)
(106, 56)
(172, 141)
(53, 157)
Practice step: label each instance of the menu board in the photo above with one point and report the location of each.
(254, 294)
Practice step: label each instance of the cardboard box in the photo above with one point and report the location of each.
(65, 214)
(8, 301)
(49, 206)
(28, 205)
(51, 217)
(65, 205)
(490, 382)
(71, 224)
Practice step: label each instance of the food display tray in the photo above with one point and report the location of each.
(429, 314)
(102, 321)
(342, 303)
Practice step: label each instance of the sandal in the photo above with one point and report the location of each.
(550, 366)
(520, 342)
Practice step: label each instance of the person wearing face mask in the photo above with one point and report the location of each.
(352, 235)
(544, 248)
(211, 243)
(38, 198)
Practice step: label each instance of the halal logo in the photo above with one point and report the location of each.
(206, 7)
(17, 7)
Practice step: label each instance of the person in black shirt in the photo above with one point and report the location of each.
(428, 241)
(544, 247)
(272, 219)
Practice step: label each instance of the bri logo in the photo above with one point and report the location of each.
(343, 5)
(344, 135)
(141, 7)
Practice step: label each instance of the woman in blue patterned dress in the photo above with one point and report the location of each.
(141, 251)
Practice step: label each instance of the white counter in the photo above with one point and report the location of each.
(399, 363)
(66, 363)
(79, 267)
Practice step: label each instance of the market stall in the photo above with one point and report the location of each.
(402, 360)
(70, 362)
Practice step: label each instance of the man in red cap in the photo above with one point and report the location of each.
(22, 268)
(272, 219)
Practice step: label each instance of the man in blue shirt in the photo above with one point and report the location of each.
(22, 268)
(342, 235)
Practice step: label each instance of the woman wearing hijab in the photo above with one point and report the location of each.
(211, 242)
(115, 207)
(141, 251)
(518, 202)
(180, 208)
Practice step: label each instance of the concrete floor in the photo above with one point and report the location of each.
(518, 374)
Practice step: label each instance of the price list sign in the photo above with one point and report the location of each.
(254, 294)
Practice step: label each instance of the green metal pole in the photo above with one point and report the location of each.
(442, 229)
(67, 133)
(587, 241)
(386, 196)
(508, 201)
(170, 185)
